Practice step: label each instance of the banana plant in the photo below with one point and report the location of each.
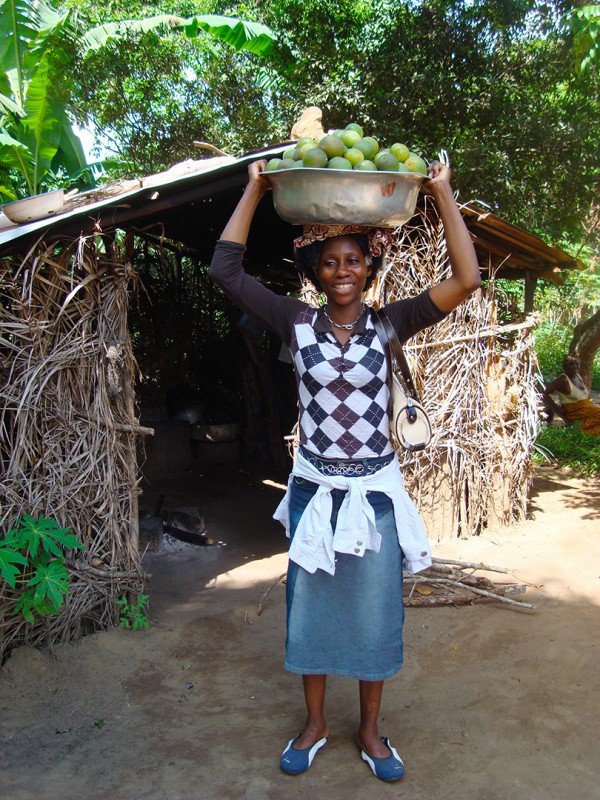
(37, 140)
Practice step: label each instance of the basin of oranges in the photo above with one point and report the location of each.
(345, 177)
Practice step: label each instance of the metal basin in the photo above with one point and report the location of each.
(351, 197)
(38, 206)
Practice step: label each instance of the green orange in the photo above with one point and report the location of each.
(366, 165)
(401, 151)
(416, 164)
(388, 162)
(369, 146)
(354, 156)
(350, 137)
(315, 157)
(333, 146)
(353, 126)
(339, 162)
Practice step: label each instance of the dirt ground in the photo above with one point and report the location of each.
(493, 701)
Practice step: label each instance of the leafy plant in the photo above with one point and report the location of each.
(32, 562)
(568, 447)
(133, 615)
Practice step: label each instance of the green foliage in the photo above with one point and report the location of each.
(133, 615)
(42, 51)
(585, 26)
(551, 346)
(569, 447)
(151, 91)
(250, 36)
(32, 562)
(562, 308)
(459, 75)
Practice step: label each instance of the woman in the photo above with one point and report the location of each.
(574, 399)
(351, 524)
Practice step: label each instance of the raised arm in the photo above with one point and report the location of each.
(238, 227)
(276, 312)
(465, 277)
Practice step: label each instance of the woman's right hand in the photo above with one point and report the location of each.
(238, 226)
(256, 174)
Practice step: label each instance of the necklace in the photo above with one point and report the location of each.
(349, 325)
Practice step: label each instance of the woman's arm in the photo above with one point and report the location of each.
(275, 312)
(238, 227)
(559, 384)
(465, 277)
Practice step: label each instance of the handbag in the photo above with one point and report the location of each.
(410, 426)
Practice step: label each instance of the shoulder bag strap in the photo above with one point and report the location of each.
(391, 344)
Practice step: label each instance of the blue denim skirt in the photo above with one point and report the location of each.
(348, 624)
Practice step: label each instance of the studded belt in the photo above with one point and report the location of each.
(346, 467)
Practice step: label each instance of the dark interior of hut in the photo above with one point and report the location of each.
(214, 386)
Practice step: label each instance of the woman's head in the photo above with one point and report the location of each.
(571, 365)
(311, 257)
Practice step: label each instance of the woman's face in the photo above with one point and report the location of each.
(572, 367)
(342, 270)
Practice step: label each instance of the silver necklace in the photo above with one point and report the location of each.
(349, 325)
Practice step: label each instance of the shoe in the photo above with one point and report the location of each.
(390, 768)
(296, 761)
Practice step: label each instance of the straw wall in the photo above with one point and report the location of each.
(476, 382)
(67, 425)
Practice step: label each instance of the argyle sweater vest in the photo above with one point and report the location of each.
(342, 391)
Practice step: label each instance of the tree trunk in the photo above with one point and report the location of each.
(585, 344)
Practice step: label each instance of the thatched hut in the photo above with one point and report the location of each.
(108, 321)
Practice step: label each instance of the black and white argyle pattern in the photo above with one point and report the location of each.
(342, 391)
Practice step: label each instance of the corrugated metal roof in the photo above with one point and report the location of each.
(193, 200)
(511, 249)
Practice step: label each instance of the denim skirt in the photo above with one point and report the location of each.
(350, 623)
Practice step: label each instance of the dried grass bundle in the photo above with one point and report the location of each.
(68, 431)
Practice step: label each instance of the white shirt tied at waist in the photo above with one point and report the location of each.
(314, 544)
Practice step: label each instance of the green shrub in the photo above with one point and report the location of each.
(568, 447)
(133, 615)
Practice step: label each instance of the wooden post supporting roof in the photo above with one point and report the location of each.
(530, 284)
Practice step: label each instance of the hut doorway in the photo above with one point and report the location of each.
(215, 387)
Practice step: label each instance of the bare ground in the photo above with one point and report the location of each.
(493, 702)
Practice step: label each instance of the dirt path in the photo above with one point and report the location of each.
(493, 702)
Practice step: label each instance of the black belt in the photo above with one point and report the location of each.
(346, 467)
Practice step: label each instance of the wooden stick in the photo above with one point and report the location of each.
(470, 565)
(118, 426)
(264, 597)
(103, 573)
(497, 330)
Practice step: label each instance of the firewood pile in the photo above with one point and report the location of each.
(454, 583)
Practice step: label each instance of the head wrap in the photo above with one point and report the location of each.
(379, 238)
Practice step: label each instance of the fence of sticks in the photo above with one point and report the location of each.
(67, 427)
(476, 379)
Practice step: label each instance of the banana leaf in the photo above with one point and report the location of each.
(42, 124)
(17, 156)
(21, 23)
(251, 36)
(71, 157)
